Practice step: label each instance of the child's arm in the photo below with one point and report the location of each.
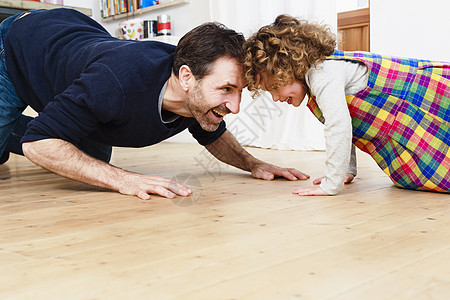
(328, 84)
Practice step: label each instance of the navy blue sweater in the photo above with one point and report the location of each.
(87, 84)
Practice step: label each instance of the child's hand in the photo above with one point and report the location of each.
(310, 191)
(349, 178)
(316, 190)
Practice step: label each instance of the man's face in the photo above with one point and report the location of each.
(217, 94)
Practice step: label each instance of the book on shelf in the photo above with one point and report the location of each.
(111, 8)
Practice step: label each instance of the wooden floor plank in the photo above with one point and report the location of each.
(424, 279)
(238, 237)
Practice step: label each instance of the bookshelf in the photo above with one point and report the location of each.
(9, 7)
(140, 11)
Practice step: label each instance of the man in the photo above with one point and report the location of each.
(93, 91)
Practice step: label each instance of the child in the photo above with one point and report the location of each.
(395, 109)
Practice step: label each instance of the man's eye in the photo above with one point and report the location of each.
(227, 89)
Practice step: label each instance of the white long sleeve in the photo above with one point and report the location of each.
(352, 168)
(330, 82)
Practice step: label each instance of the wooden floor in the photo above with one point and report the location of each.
(236, 238)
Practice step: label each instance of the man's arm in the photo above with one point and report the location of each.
(228, 150)
(65, 159)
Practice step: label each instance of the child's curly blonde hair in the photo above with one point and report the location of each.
(285, 50)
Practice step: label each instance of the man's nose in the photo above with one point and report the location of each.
(275, 98)
(234, 103)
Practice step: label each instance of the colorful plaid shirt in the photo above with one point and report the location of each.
(402, 118)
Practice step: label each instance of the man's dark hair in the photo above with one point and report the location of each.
(203, 45)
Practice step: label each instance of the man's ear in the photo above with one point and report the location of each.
(185, 76)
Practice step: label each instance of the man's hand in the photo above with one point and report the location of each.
(65, 159)
(267, 171)
(144, 185)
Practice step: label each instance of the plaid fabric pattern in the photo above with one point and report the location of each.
(402, 118)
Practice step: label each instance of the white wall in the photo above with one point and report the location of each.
(346, 5)
(410, 28)
(247, 16)
(92, 4)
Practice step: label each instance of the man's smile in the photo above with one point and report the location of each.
(218, 114)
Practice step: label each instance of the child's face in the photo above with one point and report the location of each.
(293, 93)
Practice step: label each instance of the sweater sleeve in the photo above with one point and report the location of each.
(352, 168)
(327, 83)
(204, 137)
